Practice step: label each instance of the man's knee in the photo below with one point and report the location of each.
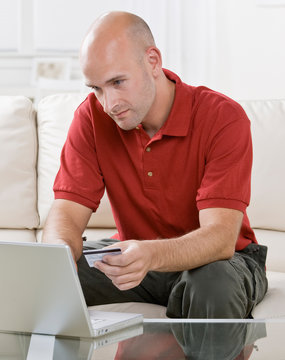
(211, 291)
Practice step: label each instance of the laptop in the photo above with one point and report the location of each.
(23, 346)
(41, 294)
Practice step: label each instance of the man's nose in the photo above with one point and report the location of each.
(109, 102)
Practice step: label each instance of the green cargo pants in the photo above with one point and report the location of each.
(222, 289)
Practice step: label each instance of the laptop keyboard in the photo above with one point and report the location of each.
(95, 322)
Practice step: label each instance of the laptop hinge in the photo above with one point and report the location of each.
(41, 347)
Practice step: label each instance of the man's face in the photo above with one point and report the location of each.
(122, 83)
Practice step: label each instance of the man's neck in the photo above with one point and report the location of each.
(162, 107)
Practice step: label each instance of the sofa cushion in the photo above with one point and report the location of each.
(17, 235)
(273, 304)
(18, 148)
(267, 117)
(275, 241)
(55, 114)
(92, 234)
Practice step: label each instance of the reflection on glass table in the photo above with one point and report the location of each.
(167, 339)
(202, 340)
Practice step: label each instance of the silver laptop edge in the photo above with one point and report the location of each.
(31, 301)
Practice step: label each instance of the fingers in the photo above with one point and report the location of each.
(126, 282)
(117, 260)
(124, 278)
(116, 270)
(127, 286)
(128, 269)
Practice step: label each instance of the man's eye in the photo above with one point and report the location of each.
(118, 82)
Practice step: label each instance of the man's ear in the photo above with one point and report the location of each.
(154, 60)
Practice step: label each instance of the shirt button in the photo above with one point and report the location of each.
(149, 173)
(137, 128)
(148, 149)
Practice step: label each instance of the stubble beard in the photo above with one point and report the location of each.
(138, 114)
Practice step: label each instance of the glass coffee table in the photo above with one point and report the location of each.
(171, 339)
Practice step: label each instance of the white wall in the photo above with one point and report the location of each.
(250, 52)
(233, 46)
(55, 28)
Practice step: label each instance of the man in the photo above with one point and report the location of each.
(176, 163)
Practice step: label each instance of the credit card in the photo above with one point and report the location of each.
(97, 254)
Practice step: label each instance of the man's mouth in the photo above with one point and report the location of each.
(120, 114)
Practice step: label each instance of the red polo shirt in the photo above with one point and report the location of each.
(200, 158)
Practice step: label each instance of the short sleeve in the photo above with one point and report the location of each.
(79, 178)
(228, 161)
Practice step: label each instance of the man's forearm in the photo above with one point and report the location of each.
(214, 240)
(58, 230)
(64, 225)
(200, 247)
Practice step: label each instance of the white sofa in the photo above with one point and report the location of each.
(30, 144)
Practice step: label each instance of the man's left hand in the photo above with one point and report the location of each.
(127, 270)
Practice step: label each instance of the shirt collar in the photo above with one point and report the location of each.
(179, 118)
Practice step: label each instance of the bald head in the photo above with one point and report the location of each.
(118, 27)
(134, 26)
(121, 63)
